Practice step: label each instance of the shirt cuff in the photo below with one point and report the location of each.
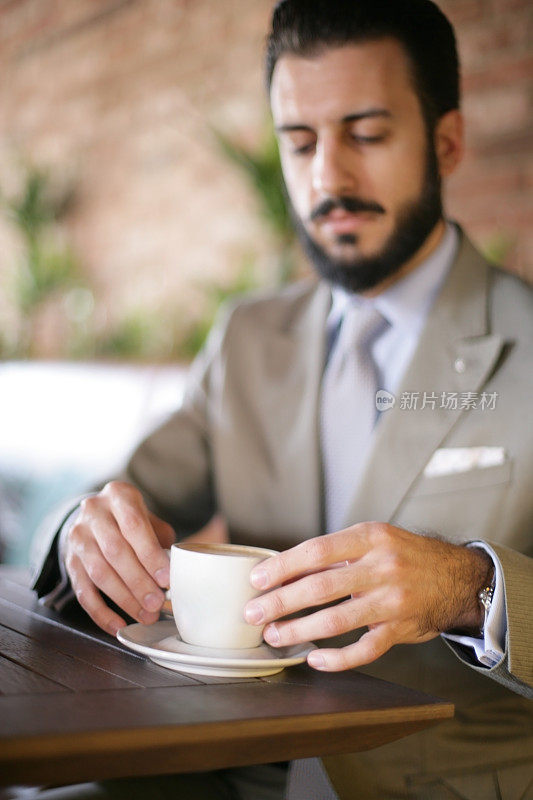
(62, 593)
(490, 646)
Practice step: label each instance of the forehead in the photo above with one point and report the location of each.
(340, 80)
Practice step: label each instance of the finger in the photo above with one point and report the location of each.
(128, 508)
(371, 646)
(311, 590)
(340, 618)
(90, 599)
(320, 552)
(165, 533)
(111, 547)
(104, 578)
(335, 565)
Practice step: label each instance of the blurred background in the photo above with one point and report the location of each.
(139, 187)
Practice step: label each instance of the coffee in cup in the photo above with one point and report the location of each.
(209, 587)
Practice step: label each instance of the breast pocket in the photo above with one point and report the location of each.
(478, 477)
(461, 506)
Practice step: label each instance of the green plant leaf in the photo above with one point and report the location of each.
(262, 168)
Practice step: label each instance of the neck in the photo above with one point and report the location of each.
(429, 246)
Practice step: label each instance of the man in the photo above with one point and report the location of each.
(280, 435)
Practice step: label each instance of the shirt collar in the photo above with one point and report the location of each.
(407, 302)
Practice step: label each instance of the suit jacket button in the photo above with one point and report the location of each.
(459, 365)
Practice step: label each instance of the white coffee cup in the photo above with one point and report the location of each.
(209, 587)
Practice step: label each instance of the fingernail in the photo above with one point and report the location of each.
(162, 576)
(271, 635)
(316, 660)
(152, 602)
(113, 629)
(259, 578)
(254, 613)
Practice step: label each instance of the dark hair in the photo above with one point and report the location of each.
(306, 27)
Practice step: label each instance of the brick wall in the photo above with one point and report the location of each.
(121, 94)
(492, 191)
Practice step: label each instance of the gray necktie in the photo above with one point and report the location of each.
(308, 780)
(348, 409)
(347, 417)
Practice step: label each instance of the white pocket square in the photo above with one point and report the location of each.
(449, 460)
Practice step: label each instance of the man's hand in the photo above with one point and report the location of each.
(117, 546)
(403, 587)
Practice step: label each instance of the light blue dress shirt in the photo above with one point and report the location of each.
(406, 305)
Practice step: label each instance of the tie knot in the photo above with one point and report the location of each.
(360, 327)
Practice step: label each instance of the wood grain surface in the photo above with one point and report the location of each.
(77, 705)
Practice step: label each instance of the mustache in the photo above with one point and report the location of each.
(353, 205)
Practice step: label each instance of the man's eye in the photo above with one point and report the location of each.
(303, 149)
(367, 139)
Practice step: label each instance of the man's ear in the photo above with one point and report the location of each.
(449, 142)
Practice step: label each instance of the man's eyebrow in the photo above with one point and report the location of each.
(296, 127)
(368, 113)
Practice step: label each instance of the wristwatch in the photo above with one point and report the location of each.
(485, 596)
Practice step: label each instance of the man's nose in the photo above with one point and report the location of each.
(331, 173)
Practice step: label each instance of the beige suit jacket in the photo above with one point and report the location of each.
(246, 443)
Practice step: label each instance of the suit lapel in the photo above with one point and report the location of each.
(292, 357)
(455, 354)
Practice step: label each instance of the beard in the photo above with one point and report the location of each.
(415, 221)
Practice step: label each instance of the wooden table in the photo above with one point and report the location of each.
(76, 705)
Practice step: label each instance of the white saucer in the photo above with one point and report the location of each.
(161, 642)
